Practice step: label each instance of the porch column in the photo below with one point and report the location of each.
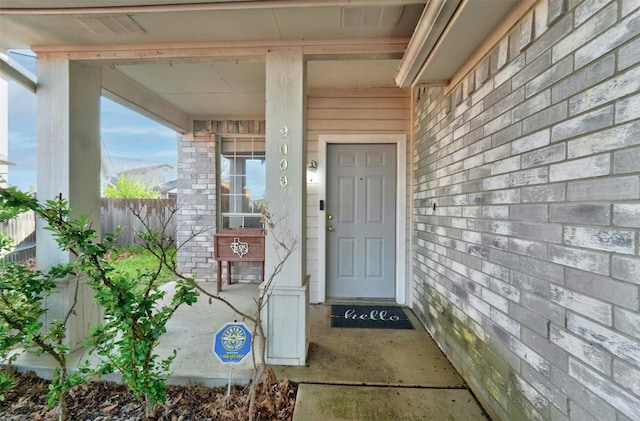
(285, 315)
(68, 164)
(4, 130)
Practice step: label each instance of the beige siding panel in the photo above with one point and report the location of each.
(358, 114)
(360, 126)
(360, 103)
(347, 111)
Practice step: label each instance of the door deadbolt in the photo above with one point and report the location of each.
(330, 217)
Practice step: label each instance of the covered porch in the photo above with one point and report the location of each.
(351, 373)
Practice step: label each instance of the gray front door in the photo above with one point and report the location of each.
(361, 220)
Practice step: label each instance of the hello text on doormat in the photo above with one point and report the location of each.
(369, 317)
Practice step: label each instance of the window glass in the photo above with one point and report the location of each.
(242, 181)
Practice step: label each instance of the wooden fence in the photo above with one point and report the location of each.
(128, 214)
(22, 231)
(114, 213)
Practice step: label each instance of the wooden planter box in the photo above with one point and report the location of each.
(237, 245)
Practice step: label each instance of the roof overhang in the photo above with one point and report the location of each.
(450, 33)
(10, 72)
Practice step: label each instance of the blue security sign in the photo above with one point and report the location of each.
(232, 343)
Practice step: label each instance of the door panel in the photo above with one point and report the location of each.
(361, 212)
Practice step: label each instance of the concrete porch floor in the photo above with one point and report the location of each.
(351, 374)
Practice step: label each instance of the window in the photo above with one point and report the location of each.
(242, 181)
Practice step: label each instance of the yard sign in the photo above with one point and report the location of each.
(232, 343)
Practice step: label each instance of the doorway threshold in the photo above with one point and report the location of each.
(362, 301)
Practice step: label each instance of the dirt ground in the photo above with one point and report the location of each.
(102, 401)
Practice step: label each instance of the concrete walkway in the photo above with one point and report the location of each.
(351, 374)
(377, 374)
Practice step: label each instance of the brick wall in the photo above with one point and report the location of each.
(527, 271)
(197, 199)
(197, 205)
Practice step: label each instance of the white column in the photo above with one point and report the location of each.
(68, 164)
(285, 317)
(4, 130)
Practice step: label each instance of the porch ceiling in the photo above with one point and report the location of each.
(203, 58)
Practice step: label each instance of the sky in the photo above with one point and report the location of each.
(129, 140)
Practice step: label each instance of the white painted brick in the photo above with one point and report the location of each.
(495, 300)
(531, 394)
(506, 290)
(619, 345)
(605, 288)
(529, 177)
(499, 212)
(535, 360)
(532, 105)
(535, 249)
(545, 118)
(480, 305)
(552, 75)
(538, 231)
(627, 376)
(501, 227)
(479, 278)
(606, 140)
(548, 155)
(628, 109)
(497, 123)
(472, 237)
(626, 161)
(608, 41)
(585, 32)
(601, 239)
(580, 168)
(581, 259)
(582, 304)
(532, 141)
(584, 123)
(498, 153)
(618, 188)
(626, 215)
(629, 6)
(620, 86)
(506, 322)
(626, 269)
(581, 214)
(627, 322)
(505, 165)
(587, 9)
(585, 351)
(544, 193)
(505, 196)
(496, 182)
(628, 55)
(623, 401)
(540, 18)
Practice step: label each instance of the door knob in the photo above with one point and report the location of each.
(330, 228)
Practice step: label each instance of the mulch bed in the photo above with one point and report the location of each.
(102, 401)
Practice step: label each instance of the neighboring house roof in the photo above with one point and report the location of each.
(144, 171)
(149, 175)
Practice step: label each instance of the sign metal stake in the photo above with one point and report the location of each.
(231, 345)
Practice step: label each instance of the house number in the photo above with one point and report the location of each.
(284, 164)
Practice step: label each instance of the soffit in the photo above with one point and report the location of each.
(233, 85)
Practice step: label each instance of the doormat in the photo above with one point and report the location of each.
(368, 317)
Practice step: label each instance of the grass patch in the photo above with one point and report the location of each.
(131, 261)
